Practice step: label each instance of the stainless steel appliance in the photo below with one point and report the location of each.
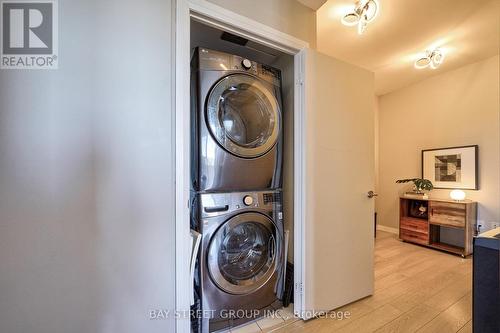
(236, 123)
(240, 263)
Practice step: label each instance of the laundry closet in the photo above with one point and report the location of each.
(242, 191)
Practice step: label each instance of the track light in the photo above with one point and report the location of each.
(431, 59)
(364, 12)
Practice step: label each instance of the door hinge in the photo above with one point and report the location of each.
(300, 82)
(298, 287)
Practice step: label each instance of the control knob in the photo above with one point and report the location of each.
(248, 200)
(247, 64)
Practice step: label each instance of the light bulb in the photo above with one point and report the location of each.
(362, 25)
(350, 19)
(437, 58)
(457, 195)
(372, 8)
(422, 63)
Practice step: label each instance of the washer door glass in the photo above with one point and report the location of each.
(242, 254)
(243, 115)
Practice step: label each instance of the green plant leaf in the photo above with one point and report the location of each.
(419, 183)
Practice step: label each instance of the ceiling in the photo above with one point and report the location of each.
(466, 31)
(313, 4)
(209, 37)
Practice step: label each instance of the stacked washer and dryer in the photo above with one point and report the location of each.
(236, 204)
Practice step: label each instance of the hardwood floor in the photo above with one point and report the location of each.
(416, 290)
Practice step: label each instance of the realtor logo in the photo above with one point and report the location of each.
(29, 34)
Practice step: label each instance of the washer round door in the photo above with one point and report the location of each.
(242, 253)
(243, 115)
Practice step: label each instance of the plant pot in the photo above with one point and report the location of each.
(416, 195)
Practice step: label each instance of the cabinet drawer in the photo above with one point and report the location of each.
(414, 237)
(416, 225)
(447, 213)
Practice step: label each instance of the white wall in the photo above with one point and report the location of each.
(456, 108)
(288, 16)
(86, 176)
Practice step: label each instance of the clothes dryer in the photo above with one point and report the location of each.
(236, 123)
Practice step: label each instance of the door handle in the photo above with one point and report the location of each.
(372, 194)
(216, 209)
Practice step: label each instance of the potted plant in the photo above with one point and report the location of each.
(420, 185)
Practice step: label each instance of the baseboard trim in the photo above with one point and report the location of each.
(388, 229)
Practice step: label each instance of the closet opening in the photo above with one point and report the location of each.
(242, 180)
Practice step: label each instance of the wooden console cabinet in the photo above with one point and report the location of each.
(421, 221)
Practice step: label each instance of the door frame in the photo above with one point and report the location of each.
(221, 18)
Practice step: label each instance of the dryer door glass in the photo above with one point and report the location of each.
(242, 254)
(243, 115)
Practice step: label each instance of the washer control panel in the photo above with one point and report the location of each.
(214, 204)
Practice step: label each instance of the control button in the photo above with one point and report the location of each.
(248, 200)
(247, 64)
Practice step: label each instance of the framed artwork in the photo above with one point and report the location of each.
(451, 168)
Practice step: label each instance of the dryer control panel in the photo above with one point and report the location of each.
(220, 61)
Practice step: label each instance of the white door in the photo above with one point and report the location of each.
(339, 217)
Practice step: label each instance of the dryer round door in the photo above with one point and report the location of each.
(243, 115)
(242, 253)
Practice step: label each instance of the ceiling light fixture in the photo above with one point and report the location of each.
(431, 59)
(363, 13)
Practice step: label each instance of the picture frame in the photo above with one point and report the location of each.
(452, 167)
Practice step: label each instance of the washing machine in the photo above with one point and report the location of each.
(240, 264)
(236, 117)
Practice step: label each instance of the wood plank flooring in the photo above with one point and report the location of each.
(416, 290)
